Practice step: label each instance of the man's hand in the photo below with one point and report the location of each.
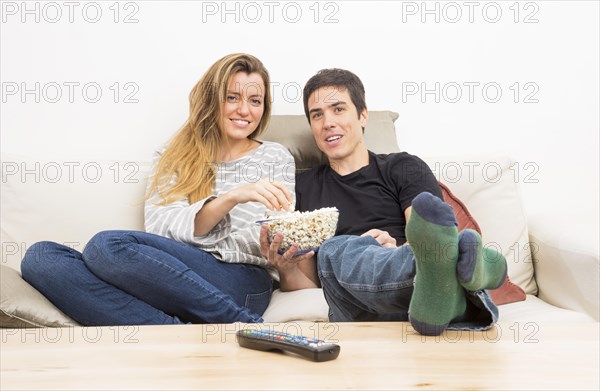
(287, 264)
(382, 238)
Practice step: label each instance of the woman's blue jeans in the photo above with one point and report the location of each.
(137, 278)
(363, 281)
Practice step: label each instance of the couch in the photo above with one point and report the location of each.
(552, 269)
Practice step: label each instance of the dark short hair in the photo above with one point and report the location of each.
(339, 78)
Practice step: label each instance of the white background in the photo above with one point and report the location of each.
(550, 48)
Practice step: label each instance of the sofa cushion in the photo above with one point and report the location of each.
(487, 185)
(22, 306)
(67, 201)
(293, 131)
(507, 292)
(534, 314)
(304, 304)
(463, 216)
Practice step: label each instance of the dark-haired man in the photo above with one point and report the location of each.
(369, 271)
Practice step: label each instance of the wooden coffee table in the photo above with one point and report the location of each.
(373, 356)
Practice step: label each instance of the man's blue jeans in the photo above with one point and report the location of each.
(136, 278)
(363, 281)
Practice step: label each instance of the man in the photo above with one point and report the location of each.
(369, 271)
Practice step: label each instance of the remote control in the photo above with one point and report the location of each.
(311, 348)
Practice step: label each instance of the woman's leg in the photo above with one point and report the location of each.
(179, 279)
(59, 273)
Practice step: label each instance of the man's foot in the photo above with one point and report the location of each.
(437, 297)
(478, 267)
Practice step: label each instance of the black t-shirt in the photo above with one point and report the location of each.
(373, 197)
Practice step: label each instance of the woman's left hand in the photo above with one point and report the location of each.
(287, 264)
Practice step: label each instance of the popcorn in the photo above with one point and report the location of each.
(307, 229)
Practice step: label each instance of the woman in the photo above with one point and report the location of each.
(199, 260)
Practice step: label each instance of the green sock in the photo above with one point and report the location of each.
(437, 297)
(478, 267)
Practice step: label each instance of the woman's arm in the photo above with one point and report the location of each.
(295, 272)
(273, 195)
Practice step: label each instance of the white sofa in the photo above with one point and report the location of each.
(555, 262)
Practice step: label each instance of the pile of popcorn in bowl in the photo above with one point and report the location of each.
(307, 229)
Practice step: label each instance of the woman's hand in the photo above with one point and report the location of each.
(273, 195)
(382, 237)
(287, 264)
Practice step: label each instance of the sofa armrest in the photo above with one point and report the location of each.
(566, 262)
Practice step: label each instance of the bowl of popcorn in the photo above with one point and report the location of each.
(307, 229)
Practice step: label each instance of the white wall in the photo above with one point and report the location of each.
(550, 48)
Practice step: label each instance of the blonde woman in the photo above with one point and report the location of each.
(199, 260)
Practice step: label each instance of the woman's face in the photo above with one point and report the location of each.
(244, 105)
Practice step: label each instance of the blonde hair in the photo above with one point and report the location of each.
(193, 151)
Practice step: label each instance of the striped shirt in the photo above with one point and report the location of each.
(236, 237)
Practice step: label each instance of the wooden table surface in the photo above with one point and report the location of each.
(373, 356)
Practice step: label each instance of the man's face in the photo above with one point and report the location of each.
(335, 124)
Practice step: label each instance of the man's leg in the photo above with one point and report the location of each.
(478, 267)
(363, 281)
(438, 298)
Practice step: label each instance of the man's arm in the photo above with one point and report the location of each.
(383, 237)
(407, 213)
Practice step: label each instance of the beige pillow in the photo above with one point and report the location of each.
(21, 306)
(304, 304)
(293, 131)
(487, 186)
(67, 201)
